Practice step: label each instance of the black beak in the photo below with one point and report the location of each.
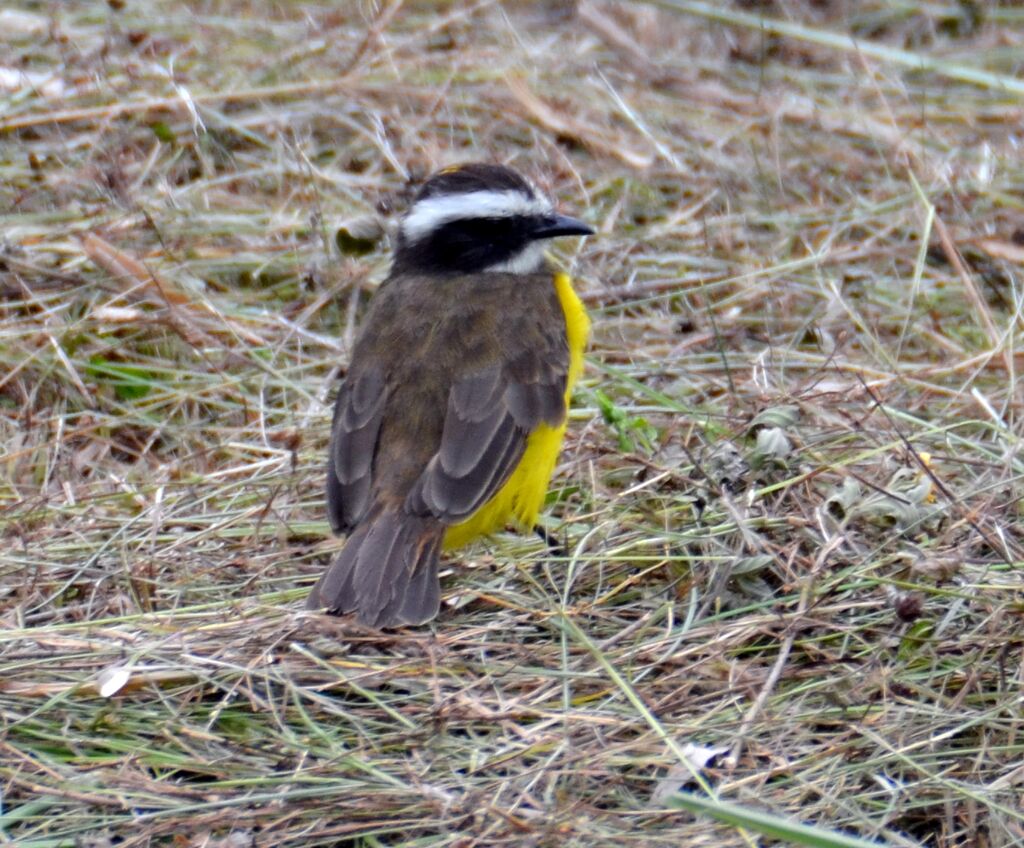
(551, 226)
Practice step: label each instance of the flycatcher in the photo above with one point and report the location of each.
(451, 415)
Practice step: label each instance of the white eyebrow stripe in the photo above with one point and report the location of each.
(428, 215)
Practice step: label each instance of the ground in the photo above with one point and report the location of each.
(790, 495)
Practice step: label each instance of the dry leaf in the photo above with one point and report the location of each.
(113, 679)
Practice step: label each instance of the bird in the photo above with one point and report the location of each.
(451, 415)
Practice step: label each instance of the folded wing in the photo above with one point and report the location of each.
(358, 412)
(491, 413)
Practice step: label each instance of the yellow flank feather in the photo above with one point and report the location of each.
(521, 498)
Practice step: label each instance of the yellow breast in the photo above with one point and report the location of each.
(521, 498)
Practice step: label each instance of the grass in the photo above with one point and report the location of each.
(790, 495)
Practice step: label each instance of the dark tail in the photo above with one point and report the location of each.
(386, 573)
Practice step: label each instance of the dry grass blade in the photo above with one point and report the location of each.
(195, 323)
(128, 272)
(971, 290)
(842, 41)
(573, 129)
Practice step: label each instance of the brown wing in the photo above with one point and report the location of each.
(358, 413)
(491, 412)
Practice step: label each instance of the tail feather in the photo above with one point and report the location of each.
(386, 573)
(422, 597)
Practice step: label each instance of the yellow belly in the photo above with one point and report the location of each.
(520, 499)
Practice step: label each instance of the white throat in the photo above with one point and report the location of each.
(527, 261)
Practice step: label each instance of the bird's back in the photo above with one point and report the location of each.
(428, 333)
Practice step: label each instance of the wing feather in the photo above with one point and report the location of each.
(490, 415)
(358, 413)
(454, 498)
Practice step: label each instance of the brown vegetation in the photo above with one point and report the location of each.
(790, 495)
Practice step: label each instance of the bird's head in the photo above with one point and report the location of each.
(479, 217)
